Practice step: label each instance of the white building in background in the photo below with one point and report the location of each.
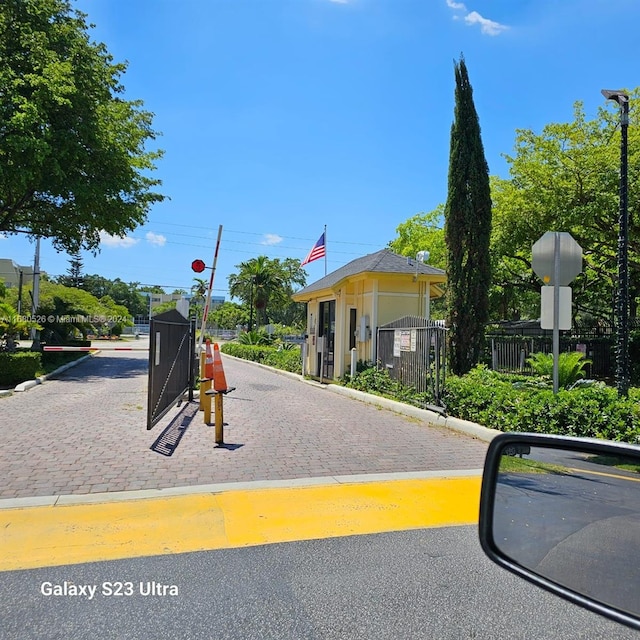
(10, 273)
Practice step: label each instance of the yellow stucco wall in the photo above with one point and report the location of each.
(396, 296)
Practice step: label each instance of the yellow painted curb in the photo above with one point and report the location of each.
(60, 535)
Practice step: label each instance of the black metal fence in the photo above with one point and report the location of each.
(413, 350)
(171, 363)
(511, 344)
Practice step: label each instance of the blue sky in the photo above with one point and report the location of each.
(281, 116)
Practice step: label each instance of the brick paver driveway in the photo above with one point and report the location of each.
(86, 432)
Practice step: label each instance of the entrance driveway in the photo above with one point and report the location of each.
(85, 432)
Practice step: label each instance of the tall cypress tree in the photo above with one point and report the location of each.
(467, 231)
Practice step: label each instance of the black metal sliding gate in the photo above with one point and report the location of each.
(171, 363)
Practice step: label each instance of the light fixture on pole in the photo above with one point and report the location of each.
(622, 307)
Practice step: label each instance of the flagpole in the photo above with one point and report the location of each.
(325, 249)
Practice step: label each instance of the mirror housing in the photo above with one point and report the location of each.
(564, 514)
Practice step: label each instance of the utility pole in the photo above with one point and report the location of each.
(35, 334)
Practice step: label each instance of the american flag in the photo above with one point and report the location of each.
(318, 251)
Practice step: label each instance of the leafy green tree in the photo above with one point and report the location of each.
(122, 293)
(230, 315)
(152, 289)
(66, 311)
(566, 179)
(163, 307)
(283, 310)
(467, 231)
(424, 231)
(73, 160)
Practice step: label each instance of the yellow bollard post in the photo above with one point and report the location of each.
(207, 408)
(219, 419)
(205, 385)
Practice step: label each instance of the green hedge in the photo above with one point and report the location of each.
(253, 352)
(594, 411)
(285, 359)
(77, 343)
(522, 403)
(379, 382)
(19, 367)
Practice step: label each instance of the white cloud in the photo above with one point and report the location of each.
(156, 238)
(116, 241)
(272, 238)
(488, 27)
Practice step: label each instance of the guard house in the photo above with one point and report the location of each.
(345, 308)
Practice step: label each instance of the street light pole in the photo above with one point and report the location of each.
(622, 311)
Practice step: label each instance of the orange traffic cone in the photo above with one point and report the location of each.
(208, 362)
(219, 379)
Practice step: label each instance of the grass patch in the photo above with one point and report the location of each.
(626, 464)
(513, 464)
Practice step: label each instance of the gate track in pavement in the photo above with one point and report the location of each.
(83, 438)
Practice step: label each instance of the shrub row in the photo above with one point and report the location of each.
(19, 367)
(379, 382)
(518, 403)
(285, 359)
(594, 411)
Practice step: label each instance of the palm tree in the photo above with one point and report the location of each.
(258, 281)
(199, 291)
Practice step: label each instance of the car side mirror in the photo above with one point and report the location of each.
(564, 513)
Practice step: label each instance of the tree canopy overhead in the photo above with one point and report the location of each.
(73, 160)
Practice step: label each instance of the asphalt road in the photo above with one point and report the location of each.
(577, 528)
(84, 434)
(428, 583)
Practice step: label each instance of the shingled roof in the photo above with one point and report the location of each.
(384, 261)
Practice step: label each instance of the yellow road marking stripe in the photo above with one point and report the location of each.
(606, 475)
(35, 537)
